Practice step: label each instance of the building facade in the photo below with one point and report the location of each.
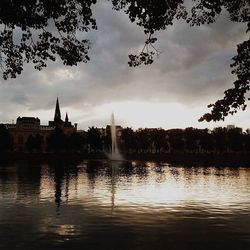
(27, 126)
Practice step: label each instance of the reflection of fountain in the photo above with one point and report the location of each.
(113, 181)
(115, 155)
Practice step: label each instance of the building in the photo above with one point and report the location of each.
(65, 125)
(230, 127)
(26, 126)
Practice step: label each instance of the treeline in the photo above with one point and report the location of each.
(189, 140)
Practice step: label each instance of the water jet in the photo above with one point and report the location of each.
(115, 154)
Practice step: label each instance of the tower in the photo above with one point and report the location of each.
(64, 125)
(57, 117)
(66, 118)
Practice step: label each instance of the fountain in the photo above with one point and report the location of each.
(115, 155)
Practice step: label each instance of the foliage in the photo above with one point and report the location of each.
(205, 140)
(106, 139)
(6, 141)
(35, 31)
(190, 140)
(160, 140)
(176, 140)
(143, 140)
(128, 140)
(94, 139)
(234, 98)
(57, 140)
(76, 142)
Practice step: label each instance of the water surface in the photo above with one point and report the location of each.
(124, 205)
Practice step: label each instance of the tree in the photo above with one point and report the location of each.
(235, 139)
(191, 139)
(57, 140)
(107, 141)
(128, 139)
(159, 138)
(246, 138)
(76, 142)
(176, 140)
(220, 139)
(6, 141)
(49, 29)
(35, 21)
(206, 141)
(143, 141)
(94, 139)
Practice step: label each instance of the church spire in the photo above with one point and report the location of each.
(66, 118)
(57, 116)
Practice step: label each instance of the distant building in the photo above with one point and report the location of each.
(26, 126)
(233, 127)
(230, 127)
(65, 125)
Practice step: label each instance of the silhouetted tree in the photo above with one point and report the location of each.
(57, 140)
(33, 20)
(142, 140)
(176, 139)
(6, 141)
(76, 142)
(206, 140)
(160, 140)
(94, 139)
(235, 139)
(220, 139)
(128, 139)
(247, 140)
(107, 142)
(191, 139)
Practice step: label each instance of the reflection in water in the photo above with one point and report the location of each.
(124, 205)
(59, 174)
(114, 168)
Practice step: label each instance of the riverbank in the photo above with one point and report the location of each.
(190, 159)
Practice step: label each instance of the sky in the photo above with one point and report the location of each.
(192, 71)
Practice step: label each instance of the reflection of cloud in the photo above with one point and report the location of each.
(193, 70)
(168, 189)
(163, 200)
(48, 225)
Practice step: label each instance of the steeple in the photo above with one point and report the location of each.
(66, 118)
(57, 116)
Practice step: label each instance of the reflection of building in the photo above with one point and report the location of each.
(26, 126)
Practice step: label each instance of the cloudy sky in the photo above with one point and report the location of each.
(192, 71)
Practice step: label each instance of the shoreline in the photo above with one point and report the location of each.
(190, 159)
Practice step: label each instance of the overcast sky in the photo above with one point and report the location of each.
(192, 71)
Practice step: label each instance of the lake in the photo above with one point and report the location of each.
(123, 205)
